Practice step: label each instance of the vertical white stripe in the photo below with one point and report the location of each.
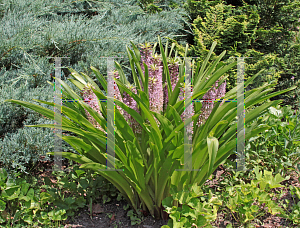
(110, 148)
(188, 114)
(240, 115)
(57, 116)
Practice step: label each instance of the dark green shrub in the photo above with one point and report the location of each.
(265, 31)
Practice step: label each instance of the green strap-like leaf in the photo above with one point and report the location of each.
(116, 179)
(100, 78)
(44, 111)
(137, 161)
(210, 69)
(166, 69)
(146, 89)
(144, 108)
(138, 66)
(216, 75)
(122, 76)
(166, 49)
(144, 98)
(77, 83)
(172, 48)
(212, 132)
(76, 75)
(76, 117)
(213, 146)
(175, 115)
(70, 92)
(187, 103)
(167, 126)
(136, 51)
(173, 96)
(203, 67)
(135, 78)
(91, 81)
(180, 126)
(167, 169)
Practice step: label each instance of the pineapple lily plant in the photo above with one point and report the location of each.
(149, 145)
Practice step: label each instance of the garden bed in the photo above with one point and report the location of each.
(112, 214)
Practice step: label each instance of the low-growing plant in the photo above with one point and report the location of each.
(69, 204)
(247, 202)
(79, 188)
(23, 205)
(134, 217)
(294, 215)
(276, 148)
(233, 177)
(196, 208)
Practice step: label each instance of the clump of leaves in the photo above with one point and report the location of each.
(79, 188)
(278, 147)
(22, 205)
(247, 202)
(293, 214)
(196, 208)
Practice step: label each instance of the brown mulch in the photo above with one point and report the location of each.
(118, 216)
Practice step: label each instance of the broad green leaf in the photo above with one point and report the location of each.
(45, 197)
(3, 175)
(25, 188)
(137, 160)
(168, 202)
(2, 205)
(213, 146)
(11, 193)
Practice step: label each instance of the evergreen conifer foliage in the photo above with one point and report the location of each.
(232, 29)
(264, 30)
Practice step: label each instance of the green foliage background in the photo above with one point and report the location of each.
(82, 30)
(86, 30)
(266, 31)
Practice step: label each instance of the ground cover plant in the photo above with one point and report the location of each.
(278, 146)
(208, 199)
(216, 140)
